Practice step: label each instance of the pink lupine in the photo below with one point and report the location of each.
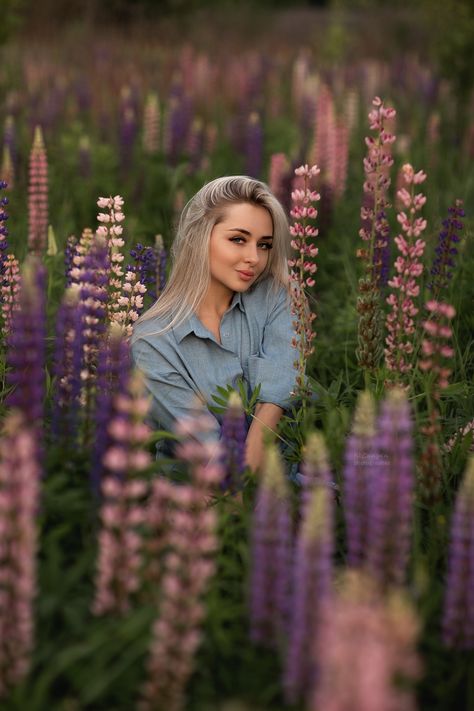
(38, 195)
(19, 499)
(302, 268)
(366, 650)
(9, 290)
(400, 321)
(374, 233)
(187, 569)
(123, 511)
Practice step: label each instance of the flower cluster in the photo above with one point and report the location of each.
(360, 625)
(405, 288)
(446, 249)
(145, 266)
(19, 500)
(3, 229)
(38, 195)
(303, 268)
(458, 617)
(9, 291)
(271, 547)
(374, 232)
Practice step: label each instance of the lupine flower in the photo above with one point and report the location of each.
(68, 365)
(360, 456)
(145, 266)
(405, 288)
(26, 346)
(178, 121)
(75, 254)
(279, 177)
(158, 522)
(302, 269)
(10, 287)
(253, 146)
(123, 511)
(19, 499)
(270, 556)
(374, 232)
(85, 158)
(151, 124)
(233, 437)
(3, 228)
(458, 616)
(195, 145)
(315, 467)
(365, 651)
(392, 487)
(459, 435)
(188, 567)
(441, 271)
(312, 578)
(70, 252)
(38, 195)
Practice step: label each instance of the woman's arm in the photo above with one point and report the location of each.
(266, 418)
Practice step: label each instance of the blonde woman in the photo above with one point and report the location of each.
(225, 312)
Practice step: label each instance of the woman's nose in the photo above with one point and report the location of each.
(251, 253)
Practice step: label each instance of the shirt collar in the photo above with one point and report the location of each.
(193, 325)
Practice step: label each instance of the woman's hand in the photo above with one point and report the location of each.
(266, 417)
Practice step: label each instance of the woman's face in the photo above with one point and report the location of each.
(239, 247)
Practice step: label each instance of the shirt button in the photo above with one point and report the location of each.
(226, 335)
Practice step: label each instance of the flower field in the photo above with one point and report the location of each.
(347, 586)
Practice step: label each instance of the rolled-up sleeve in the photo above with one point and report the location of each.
(172, 397)
(274, 368)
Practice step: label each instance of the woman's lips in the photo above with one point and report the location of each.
(246, 276)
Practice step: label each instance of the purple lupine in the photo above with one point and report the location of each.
(253, 146)
(446, 250)
(113, 373)
(145, 266)
(26, 346)
(312, 584)
(392, 486)
(233, 437)
(359, 459)
(68, 364)
(3, 229)
(178, 121)
(70, 252)
(458, 615)
(271, 546)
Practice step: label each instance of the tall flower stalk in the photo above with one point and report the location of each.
(400, 321)
(374, 233)
(446, 250)
(38, 195)
(302, 270)
(10, 288)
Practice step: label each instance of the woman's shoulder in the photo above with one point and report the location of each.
(153, 330)
(266, 294)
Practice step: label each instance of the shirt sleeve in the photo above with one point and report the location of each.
(172, 397)
(274, 367)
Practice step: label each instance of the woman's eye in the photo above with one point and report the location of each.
(265, 245)
(237, 240)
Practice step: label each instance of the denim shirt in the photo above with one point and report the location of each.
(184, 365)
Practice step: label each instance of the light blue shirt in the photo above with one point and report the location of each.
(187, 363)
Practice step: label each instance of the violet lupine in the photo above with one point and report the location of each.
(360, 455)
(178, 121)
(68, 365)
(392, 490)
(9, 289)
(145, 266)
(187, 570)
(114, 366)
(302, 269)
(151, 124)
(446, 250)
(253, 146)
(312, 585)
(400, 322)
(458, 615)
(233, 437)
(26, 346)
(271, 544)
(374, 232)
(123, 511)
(366, 650)
(70, 252)
(3, 228)
(19, 499)
(38, 195)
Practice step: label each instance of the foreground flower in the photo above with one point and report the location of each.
(19, 499)
(38, 195)
(9, 290)
(458, 617)
(233, 436)
(366, 650)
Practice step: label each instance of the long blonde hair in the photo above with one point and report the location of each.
(190, 274)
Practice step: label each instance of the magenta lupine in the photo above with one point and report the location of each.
(38, 195)
(187, 569)
(123, 511)
(400, 322)
(360, 457)
(311, 587)
(19, 499)
(9, 290)
(458, 615)
(302, 270)
(365, 651)
(374, 232)
(392, 490)
(271, 544)
(151, 124)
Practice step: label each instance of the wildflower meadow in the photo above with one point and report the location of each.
(350, 584)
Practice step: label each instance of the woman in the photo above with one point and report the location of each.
(225, 313)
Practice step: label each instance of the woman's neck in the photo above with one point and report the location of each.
(215, 303)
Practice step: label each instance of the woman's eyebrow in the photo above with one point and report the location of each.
(246, 232)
